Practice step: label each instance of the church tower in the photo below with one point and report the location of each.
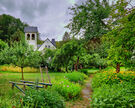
(31, 36)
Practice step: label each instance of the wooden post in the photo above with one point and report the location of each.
(22, 73)
(24, 86)
(118, 67)
(41, 74)
(46, 69)
(13, 85)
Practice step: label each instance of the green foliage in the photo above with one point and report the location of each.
(114, 96)
(67, 53)
(2, 45)
(47, 57)
(85, 60)
(76, 77)
(46, 98)
(67, 89)
(88, 18)
(122, 42)
(89, 71)
(66, 37)
(97, 61)
(114, 90)
(20, 54)
(17, 36)
(8, 26)
(110, 77)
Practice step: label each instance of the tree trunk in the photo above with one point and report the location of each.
(75, 66)
(66, 69)
(118, 68)
(77, 63)
(41, 74)
(22, 73)
(46, 69)
(100, 68)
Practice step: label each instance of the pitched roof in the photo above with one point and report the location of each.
(30, 29)
(38, 46)
(45, 41)
(51, 42)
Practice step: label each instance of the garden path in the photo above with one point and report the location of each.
(86, 94)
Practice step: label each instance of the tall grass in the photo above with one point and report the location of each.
(12, 68)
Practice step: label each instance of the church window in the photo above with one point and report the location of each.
(33, 36)
(48, 46)
(28, 36)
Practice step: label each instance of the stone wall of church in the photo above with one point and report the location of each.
(29, 37)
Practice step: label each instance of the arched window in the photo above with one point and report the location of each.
(28, 36)
(33, 36)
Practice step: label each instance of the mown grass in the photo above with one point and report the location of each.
(9, 96)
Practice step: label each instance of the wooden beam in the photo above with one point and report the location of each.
(48, 84)
(26, 84)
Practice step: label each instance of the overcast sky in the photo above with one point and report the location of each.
(50, 16)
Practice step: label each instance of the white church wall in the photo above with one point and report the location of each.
(32, 42)
(46, 44)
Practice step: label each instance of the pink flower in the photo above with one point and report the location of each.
(67, 85)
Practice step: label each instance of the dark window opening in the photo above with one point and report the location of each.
(33, 36)
(48, 46)
(28, 36)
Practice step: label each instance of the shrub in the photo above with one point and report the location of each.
(85, 71)
(76, 77)
(111, 77)
(47, 98)
(89, 71)
(114, 90)
(120, 95)
(67, 89)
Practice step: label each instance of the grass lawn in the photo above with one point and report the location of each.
(8, 96)
(5, 77)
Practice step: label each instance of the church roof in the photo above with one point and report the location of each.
(30, 29)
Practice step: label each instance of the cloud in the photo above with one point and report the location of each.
(50, 16)
(71, 1)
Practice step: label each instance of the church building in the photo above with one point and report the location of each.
(31, 37)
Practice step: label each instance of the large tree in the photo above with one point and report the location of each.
(69, 52)
(88, 18)
(8, 26)
(20, 54)
(122, 42)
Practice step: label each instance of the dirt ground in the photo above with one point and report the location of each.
(85, 94)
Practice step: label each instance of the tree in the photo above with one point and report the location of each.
(122, 42)
(8, 26)
(66, 36)
(17, 36)
(47, 57)
(20, 54)
(88, 18)
(3, 45)
(71, 51)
